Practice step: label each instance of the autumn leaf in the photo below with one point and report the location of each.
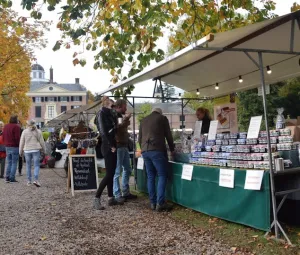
(43, 238)
(75, 61)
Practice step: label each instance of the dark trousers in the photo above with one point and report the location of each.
(110, 159)
(20, 164)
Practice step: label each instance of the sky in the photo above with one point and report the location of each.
(94, 80)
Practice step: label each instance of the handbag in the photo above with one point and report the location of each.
(42, 153)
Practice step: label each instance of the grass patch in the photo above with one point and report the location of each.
(240, 237)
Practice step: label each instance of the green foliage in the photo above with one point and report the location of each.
(144, 111)
(129, 31)
(168, 91)
(290, 94)
(250, 104)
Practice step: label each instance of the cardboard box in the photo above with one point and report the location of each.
(294, 126)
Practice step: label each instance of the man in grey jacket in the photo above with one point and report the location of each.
(153, 133)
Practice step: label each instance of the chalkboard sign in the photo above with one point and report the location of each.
(83, 172)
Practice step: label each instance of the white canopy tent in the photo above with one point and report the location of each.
(235, 60)
(208, 61)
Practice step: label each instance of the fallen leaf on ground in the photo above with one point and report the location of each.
(53, 204)
(255, 236)
(43, 238)
(233, 249)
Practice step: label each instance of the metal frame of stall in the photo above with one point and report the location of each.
(260, 65)
(202, 46)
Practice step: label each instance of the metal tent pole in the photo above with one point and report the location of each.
(262, 76)
(134, 147)
(182, 119)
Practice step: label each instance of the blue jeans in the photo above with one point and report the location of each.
(123, 163)
(35, 156)
(156, 164)
(12, 158)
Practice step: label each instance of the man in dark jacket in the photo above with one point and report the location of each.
(11, 138)
(154, 130)
(123, 158)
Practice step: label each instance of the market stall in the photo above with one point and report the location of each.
(253, 56)
(78, 134)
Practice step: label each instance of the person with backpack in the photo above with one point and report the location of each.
(2, 151)
(31, 144)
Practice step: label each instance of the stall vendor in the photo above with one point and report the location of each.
(204, 116)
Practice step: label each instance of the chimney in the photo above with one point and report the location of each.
(51, 75)
(77, 81)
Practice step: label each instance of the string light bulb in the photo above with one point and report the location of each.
(269, 71)
(198, 92)
(240, 79)
(217, 86)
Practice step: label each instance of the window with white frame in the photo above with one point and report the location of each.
(76, 98)
(34, 74)
(51, 99)
(38, 99)
(51, 111)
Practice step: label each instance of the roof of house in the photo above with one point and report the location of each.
(35, 85)
(37, 67)
(174, 108)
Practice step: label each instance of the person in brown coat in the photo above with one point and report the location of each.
(153, 133)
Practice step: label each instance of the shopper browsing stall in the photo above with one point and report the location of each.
(154, 129)
(107, 128)
(204, 116)
(123, 158)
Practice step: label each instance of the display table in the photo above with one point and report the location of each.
(203, 194)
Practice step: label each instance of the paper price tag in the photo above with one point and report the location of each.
(213, 130)
(254, 179)
(198, 128)
(226, 178)
(187, 172)
(140, 163)
(254, 127)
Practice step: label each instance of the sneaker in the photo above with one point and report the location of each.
(97, 204)
(164, 207)
(153, 207)
(29, 183)
(14, 180)
(7, 180)
(20, 174)
(36, 183)
(116, 201)
(129, 197)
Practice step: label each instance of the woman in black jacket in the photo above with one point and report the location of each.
(107, 127)
(204, 116)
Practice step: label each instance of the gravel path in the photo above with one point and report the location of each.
(48, 220)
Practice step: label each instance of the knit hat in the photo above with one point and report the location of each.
(158, 110)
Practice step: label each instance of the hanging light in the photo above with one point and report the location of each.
(217, 86)
(179, 95)
(198, 92)
(269, 71)
(240, 79)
